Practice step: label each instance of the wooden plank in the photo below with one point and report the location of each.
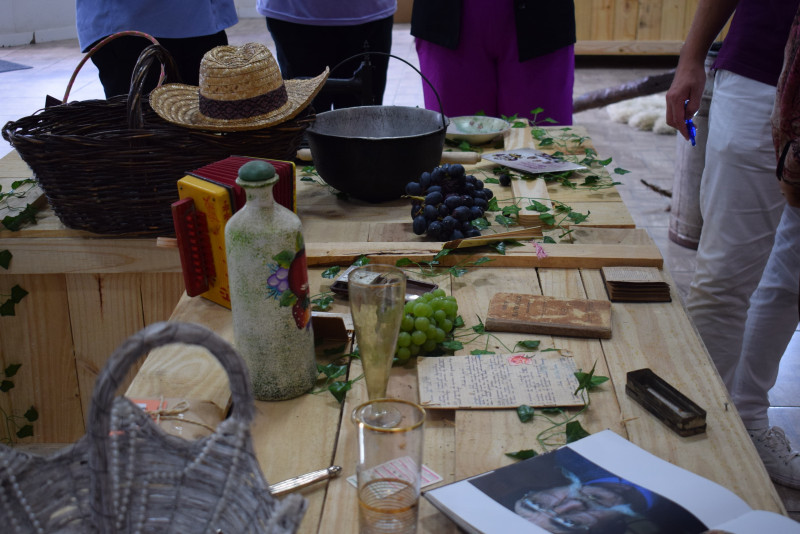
(661, 336)
(160, 293)
(583, 19)
(67, 255)
(42, 344)
(625, 19)
(602, 20)
(640, 47)
(649, 20)
(527, 191)
(558, 255)
(104, 310)
(673, 14)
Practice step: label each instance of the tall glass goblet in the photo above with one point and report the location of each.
(377, 297)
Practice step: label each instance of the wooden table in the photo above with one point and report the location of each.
(313, 431)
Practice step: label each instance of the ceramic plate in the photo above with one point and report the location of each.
(476, 129)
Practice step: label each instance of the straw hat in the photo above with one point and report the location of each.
(241, 88)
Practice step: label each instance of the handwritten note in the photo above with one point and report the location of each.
(543, 379)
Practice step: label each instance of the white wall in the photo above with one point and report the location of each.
(28, 21)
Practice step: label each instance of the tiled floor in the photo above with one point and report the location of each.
(647, 155)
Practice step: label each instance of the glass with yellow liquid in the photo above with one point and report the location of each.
(377, 297)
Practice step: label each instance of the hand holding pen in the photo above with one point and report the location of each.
(690, 126)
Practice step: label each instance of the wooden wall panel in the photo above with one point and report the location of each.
(42, 344)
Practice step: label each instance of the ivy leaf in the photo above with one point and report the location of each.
(578, 218)
(479, 328)
(575, 431)
(452, 345)
(25, 431)
(537, 206)
(5, 259)
(459, 322)
(284, 258)
(605, 162)
(547, 218)
(403, 262)
(480, 223)
(457, 271)
(552, 411)
(6, 385)
(510, 210)
(288, 298)
(442, 253)
(532, 344)
(525, 413)
(361, 260)
(478, 352)
(493, 205)
(588, 381)
(322, 303)
(331, 272)
(332, 370)
(536, 111)
(340, 389)
(500, 247)
(548, 239)
(491, 180)
(523, 454)
(12, 369)
(481, 261)
(31, 415)
(7, 309)
(620, 170)
(17, 294)
(503, 220)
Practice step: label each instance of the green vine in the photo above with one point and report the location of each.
(16, 425)
(559, 417)
(25, 214)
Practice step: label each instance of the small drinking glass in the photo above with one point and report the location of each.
(389, 467)
(377, 297)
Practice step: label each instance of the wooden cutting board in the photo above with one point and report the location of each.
(537, 314)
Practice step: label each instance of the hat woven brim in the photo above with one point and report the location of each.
(179, 104)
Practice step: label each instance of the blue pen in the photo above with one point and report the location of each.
(690, 127)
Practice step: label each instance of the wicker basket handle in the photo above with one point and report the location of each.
(97, 47)
(157, 335)
(146, 58)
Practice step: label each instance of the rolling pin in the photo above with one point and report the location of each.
(304, 154)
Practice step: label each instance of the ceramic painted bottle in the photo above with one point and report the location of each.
(269, 289)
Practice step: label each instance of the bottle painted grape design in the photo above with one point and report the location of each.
(269, 289)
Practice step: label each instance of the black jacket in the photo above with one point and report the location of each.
(543, 26)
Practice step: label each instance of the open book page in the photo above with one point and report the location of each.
(759, 522)
(602, 484)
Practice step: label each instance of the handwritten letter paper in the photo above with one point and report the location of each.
(497, 381)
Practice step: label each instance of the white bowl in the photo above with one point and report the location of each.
(475, 129)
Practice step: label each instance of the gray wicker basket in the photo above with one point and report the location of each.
(127, 476)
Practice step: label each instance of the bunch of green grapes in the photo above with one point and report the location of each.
(426, 323)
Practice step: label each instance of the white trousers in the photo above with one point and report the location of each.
(771, 322)
(741, 204)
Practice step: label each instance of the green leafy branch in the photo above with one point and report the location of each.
(431, 268)
(559, 417)
(24, 214)
(16, 425)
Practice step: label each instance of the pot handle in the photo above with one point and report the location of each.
(435, 92)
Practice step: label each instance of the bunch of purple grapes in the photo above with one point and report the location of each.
(447, 200)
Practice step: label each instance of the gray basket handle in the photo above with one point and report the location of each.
(154, 336)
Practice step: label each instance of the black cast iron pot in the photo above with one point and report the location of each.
(372, 152)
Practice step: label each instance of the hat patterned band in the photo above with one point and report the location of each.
(244, 108)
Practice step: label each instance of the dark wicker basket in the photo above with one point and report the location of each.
(111, 166)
